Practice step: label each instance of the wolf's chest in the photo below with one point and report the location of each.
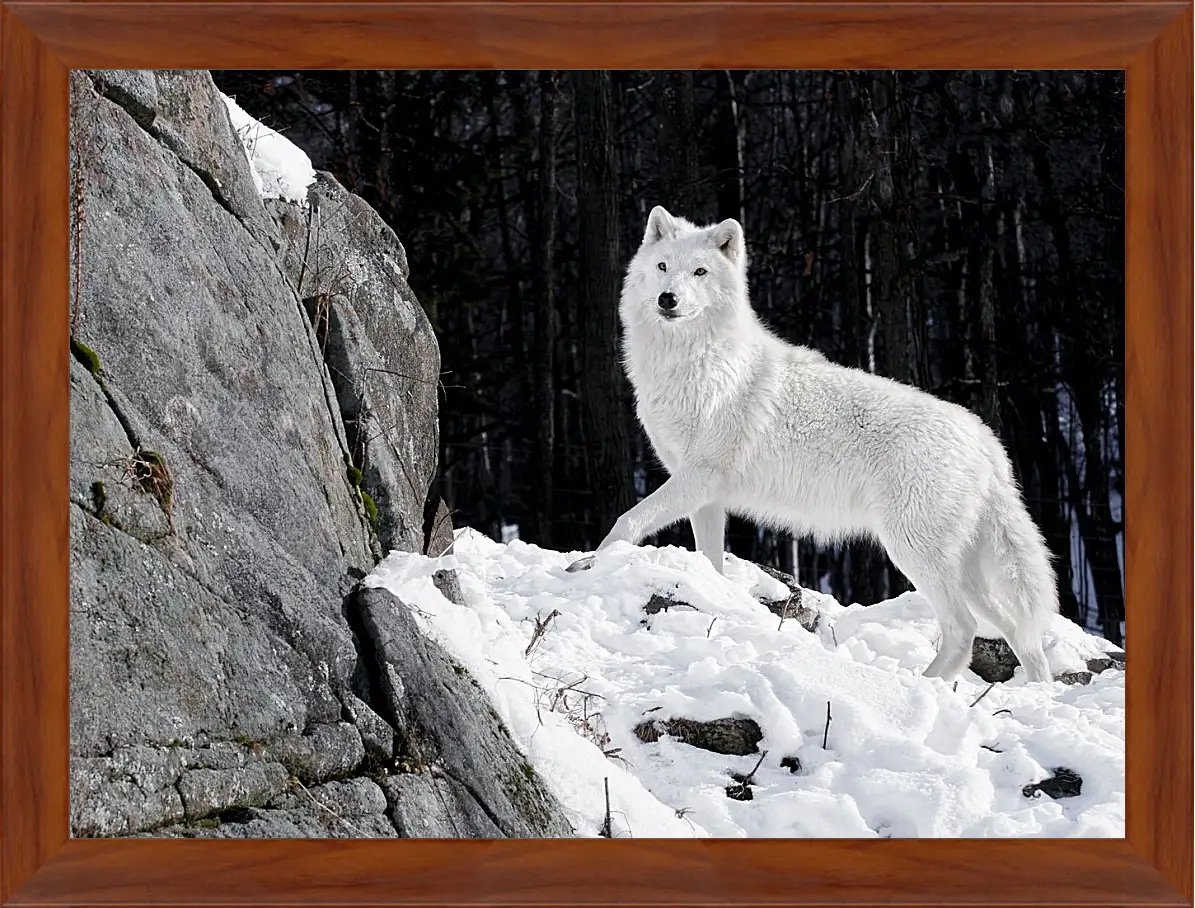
(680, 410)
(685, 393)
(675, 410)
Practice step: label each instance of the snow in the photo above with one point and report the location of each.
(281, 170)
(905, 755)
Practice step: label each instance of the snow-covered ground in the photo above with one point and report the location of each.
(903, 756)
(281, 170)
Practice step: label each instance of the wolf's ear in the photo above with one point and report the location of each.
(660, 226)
(728, 237)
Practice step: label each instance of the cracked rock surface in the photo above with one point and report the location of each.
(227, 680)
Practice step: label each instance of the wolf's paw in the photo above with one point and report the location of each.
(582, 564)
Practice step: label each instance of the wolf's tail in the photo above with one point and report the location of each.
(1025, 585)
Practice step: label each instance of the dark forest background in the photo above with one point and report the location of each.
(959, 231)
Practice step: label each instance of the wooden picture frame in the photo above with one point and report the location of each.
(40, 41)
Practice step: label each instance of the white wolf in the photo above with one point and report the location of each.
(749, 424)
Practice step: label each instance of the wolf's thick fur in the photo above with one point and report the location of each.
(749, 424)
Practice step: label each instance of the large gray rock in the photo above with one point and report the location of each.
(446, 726)
(213, 791)
(133, 788)
(424, 806)
(218, 687)
(354, 808)
(156, 657)
(993, 659)
(350, 270)
(733, 735)
(184, 111)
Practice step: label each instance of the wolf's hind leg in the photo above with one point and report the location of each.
(942, 570)
(958, 630)
(709, 528)
(1026, 642)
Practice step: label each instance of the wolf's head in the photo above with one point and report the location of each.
(683, 273)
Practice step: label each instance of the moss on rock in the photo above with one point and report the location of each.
(353, 473)
(371, 509)
(88, 357)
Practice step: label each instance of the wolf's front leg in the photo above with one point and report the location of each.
(709, 532)
(685, 492)
(682, 494)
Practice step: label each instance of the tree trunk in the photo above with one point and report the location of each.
(546, 321)
(992, 237)
(863, 561)
(1095, 520)
(604, 422)
(725, 151)
(895, 238)
(1052, 516)
(677, 151)
(741, 536)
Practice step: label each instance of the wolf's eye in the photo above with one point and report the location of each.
(662, 266)
(700, 271)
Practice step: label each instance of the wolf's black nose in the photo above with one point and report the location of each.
(667, 301)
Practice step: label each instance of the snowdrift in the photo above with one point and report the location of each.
(606, 674)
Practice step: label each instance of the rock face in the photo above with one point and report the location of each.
(349, 270)
(253, 423)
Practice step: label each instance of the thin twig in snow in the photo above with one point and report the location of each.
(541, 625)
(535, 703)
(625, 819)
(751, 774)
(682, 813)
(784, 611)
(605, 831)
(984, 694)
